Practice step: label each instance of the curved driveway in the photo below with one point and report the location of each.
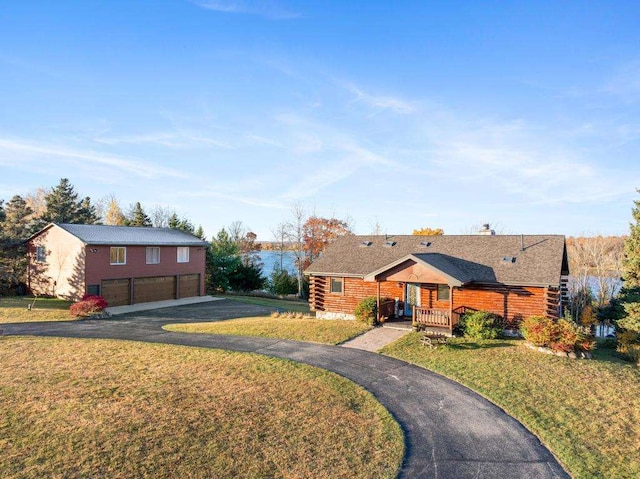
(450, 431)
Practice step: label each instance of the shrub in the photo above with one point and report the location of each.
(564, 336)
(89, 305)
(366, 311)
(480, 325)
(561, 335)
(538, 330)
(281, 282)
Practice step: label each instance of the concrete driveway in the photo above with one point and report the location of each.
(450, 431)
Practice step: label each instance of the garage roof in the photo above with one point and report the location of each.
(130, 235)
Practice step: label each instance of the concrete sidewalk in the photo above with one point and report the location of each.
(375, 339)
(134, 308)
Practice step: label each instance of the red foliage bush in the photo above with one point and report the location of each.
(538, 330)
(561, 335)
(88, 306)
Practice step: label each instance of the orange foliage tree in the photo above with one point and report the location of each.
(428, 232)
(319, 232)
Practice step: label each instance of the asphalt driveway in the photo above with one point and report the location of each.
(450, 431)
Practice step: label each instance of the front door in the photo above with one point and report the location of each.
(412, 298)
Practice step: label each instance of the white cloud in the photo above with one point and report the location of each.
(178, 140)
(380, 103)
(37, 154)
(264, 8)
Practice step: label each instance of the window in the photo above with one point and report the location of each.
(443, 292)
(41, 254)
(337, 285)
(153, 255)
(93, 289)
(118, 255)
(183, 254)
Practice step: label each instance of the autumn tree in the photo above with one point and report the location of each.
(138, 217)
(318, 232)
(428, 232)
(113, 214)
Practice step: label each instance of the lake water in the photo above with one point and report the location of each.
(271, 260)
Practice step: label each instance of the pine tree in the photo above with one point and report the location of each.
(223, 258)
(62, 204)
(628, 333)
(174, 221)
(17, 223)
(200, 233)
(87, 212)
(138, 217)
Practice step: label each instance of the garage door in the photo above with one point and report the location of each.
(116, 292)
(158, 288)
(189, 285)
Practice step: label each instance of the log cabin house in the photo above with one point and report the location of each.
(125, 265)
(434, 279)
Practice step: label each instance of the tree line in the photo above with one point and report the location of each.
(232, 260)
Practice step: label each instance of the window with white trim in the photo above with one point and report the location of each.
(153, 255)
(118, 255)
(337, 285)
(41, 254)
(183, 254)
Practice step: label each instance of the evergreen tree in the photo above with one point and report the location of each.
(223, 258)
(200, 233)
(138, 217)
(62, 205)
(87, 212)
(17, 222)
(628, 327)
(174, 221)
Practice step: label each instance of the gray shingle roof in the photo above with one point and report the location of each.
(131, 236)
(468, 258)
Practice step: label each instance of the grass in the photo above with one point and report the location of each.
(299, 329)
(13, 309)
(102, 408)
(296, 306)
(587, 412)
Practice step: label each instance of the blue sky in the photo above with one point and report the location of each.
(407, 114)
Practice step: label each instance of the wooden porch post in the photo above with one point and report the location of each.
(451, 310)
(378, 301)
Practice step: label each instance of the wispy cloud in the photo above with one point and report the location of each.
(379, 103)
(34, 153)
(166, 139)
(264, 8)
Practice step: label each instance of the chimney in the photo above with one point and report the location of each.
(486, 230)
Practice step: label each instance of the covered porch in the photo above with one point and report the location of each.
(429, 284)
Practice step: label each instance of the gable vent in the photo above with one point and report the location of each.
(426, 244)
(389, 244)
(509, 259)
(364, 244)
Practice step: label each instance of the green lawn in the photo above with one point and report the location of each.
(102, 408)
(299, 329)
(14, 309)
(296, 306)
(587, 412)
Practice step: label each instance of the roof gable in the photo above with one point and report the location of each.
(503, 259)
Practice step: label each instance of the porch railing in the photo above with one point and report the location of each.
(432, 317)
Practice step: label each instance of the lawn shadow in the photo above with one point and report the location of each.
(472, 345)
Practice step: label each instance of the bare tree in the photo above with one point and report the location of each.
(376, 228)
(237, 231)
(160, 216)
(295, 236)
(280, 236)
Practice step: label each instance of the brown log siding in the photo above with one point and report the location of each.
(513, 303)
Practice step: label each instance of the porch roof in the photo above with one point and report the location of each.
(435, 262)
